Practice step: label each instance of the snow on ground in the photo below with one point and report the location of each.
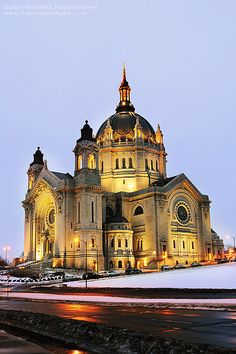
(114, 299)
(220, 276)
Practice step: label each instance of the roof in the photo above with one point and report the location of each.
(123, 124)
(163, 182)
(62, 175)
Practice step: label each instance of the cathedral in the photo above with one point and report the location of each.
(119, 209)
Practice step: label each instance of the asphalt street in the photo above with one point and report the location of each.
(10, 344)
(197, 326)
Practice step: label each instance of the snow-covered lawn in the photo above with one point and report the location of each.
(114, 299)
(221, 276)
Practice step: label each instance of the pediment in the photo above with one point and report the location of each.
(182, 182)
(40, 187)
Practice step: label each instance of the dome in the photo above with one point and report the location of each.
(123, 123)
(38, 158)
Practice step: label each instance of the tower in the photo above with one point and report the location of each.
(35, 168)
(86, 157)
(124, 89)
(88, 201)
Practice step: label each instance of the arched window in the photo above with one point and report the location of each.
(119, 242)
(140, 245)
(130, 163)
(112, 243)
(138, 210)
(117, 163)
(119, 264)
(123, 163)
(79, 162)
(91, 162)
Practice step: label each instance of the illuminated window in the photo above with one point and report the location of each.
(117, 163)
(31, 182)
(124, 95)
(130, 163)
(138, 210)
(91, 162)
(119, 264)
(79, 162)
(123, 163)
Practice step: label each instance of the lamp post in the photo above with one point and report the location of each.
(86, 263)
(6, 249)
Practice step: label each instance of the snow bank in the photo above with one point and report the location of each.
(221, 276)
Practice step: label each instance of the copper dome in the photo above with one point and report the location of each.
(123, 124)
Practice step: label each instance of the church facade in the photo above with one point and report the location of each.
(120, 208)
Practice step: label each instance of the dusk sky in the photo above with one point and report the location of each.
(58, 69)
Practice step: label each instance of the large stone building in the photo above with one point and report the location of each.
(119, 209)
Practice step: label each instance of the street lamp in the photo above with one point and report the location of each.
(86, 263)
(6, 249)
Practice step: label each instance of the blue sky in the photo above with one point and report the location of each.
(56, 71)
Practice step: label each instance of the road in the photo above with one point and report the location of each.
(11, 344)
(212, 327)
